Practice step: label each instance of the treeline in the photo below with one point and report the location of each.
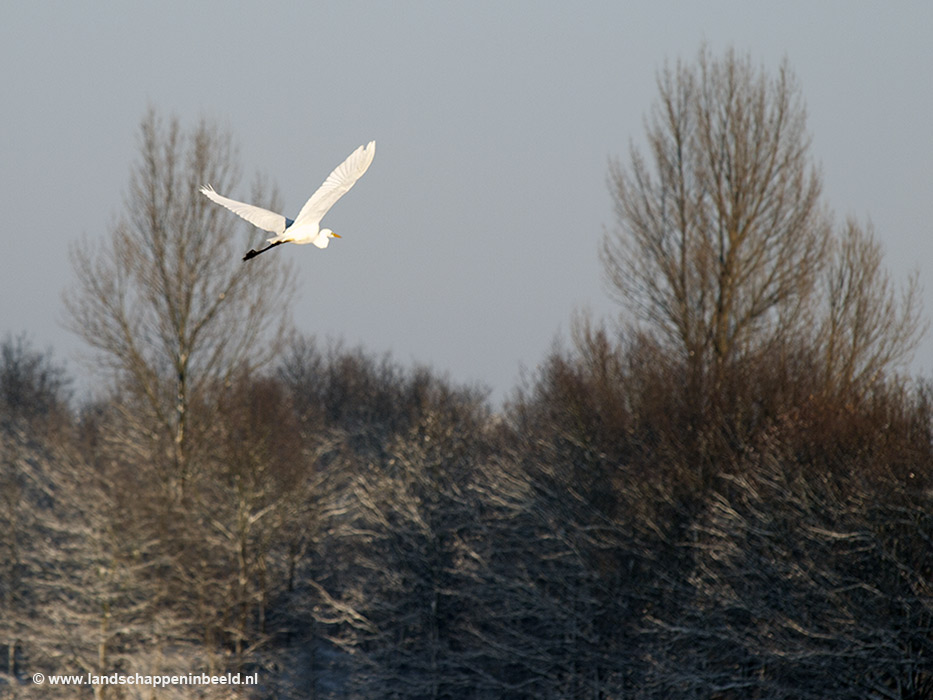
(726, 496)
(354, 529)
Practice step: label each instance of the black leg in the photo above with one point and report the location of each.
(253, 253)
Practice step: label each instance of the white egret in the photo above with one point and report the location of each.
(306, 226)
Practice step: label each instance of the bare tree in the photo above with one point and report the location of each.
(165, 300)
(867, 326)
(721, 235)
(71, 601)
(32, 385)
(803, 587)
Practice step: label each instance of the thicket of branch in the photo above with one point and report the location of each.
(393, 538)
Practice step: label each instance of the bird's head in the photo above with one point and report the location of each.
(323, 237)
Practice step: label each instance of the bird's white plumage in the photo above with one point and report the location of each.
(257, 216)
(337, 184)
(306, 226)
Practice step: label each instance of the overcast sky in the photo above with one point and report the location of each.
(472, 239)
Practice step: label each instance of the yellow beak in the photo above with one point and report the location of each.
(336, 235)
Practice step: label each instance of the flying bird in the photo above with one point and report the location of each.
(306, 227)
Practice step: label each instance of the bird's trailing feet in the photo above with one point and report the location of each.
(253, 253)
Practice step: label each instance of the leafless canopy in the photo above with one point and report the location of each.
(868, 325)
(164, 299)
(721, 235)
(723, 246)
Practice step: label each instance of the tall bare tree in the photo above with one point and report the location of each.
(165, 300)
(721, 235)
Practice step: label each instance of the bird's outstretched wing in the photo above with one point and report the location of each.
(257, 216)
(337, 184)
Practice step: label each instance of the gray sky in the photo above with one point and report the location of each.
(473, 238)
